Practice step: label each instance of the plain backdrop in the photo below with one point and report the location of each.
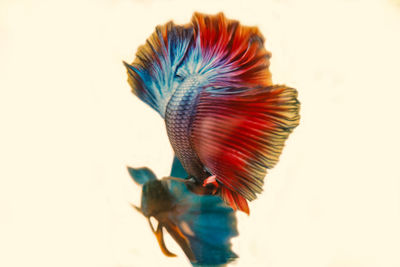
(69, 126)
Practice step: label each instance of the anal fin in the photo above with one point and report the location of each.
(235, 200)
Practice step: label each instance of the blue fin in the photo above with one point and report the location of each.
(207, 222)
(152, 75)
(222, 52)
(141, 175)
(177, 169)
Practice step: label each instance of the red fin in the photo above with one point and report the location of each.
(238, 133)
(236, 201)
(227, 53)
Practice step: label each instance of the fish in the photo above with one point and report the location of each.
(225, 119)
(202, 225)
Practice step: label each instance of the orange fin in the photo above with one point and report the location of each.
(160, 238)
(180, 238)
(235, 200)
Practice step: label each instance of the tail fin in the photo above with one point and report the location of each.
(221, 51)
(152, 74)
(226, 53)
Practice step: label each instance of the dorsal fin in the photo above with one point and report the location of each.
(239, 133)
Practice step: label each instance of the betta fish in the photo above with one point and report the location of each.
(201, 225)
(226, 121)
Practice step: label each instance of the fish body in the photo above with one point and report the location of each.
(178, 120)
(226, 121)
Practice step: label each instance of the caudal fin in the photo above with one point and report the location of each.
(152, 75)
(220, 51)
(226, 53)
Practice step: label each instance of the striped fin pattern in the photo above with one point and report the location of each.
(152, 74)
(239, 133)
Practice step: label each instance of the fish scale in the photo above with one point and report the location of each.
(178, 118)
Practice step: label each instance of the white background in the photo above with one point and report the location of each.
(69, 126)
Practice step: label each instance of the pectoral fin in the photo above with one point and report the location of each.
(160, 238)
(182, 240)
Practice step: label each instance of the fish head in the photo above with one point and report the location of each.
(156, 199)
